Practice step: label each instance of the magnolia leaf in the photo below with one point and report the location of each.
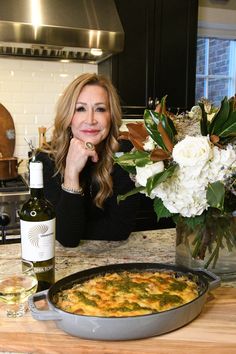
(203, 122)
(160, 209)
(137, 131)
(165, 137)
(220, 118)
(153, 181)
(215, 195)
(159, 155)
(168, 127)
(159, 129)
(123, 135)
(138, 144)
(151, 127)
(132, 192)
(134, 158)
(161, 107)
(229, 128)
(164, 121)
(171, 124)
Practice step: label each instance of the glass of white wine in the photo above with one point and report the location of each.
(17, 282)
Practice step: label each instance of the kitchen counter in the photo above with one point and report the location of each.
(212, 332)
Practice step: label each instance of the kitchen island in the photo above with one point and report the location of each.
(214, 331)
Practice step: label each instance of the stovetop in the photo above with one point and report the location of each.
(14, 185)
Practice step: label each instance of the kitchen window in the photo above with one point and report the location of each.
(216, 69)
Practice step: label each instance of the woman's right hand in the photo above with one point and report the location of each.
(76, 159)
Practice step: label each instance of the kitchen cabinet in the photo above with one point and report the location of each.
(159, 56)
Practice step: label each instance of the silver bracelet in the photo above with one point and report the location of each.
(72, 190)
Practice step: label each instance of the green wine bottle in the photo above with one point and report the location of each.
(37, 224)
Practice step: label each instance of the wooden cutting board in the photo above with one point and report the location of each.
(213, 332)
(7, 133)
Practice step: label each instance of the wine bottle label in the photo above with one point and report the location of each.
(38, 240)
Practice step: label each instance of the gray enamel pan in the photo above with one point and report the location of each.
(124, 328)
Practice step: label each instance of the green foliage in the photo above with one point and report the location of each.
(153, 181)
(132, 192)
(194, 221)
(219, 118)
(223, 123)
(204, 122)
(215, 195)
(130, 160)
(160, 209)
(151, 121)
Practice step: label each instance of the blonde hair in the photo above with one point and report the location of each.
(62, 132)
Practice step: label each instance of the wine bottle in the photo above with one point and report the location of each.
(37, 224)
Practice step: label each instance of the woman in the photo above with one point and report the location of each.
(80, 178)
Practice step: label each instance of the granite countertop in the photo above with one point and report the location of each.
(144, 246)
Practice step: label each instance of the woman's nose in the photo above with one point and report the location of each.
(91, 117)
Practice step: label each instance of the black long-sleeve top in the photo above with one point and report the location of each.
(77, 217)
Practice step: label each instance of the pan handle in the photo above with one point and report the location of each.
(41, 314)
(214, 280)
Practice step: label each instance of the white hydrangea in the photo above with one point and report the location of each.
(182, 195)
(222, 163)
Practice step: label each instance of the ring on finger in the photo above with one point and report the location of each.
(89, 146)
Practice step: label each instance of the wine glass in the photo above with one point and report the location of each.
(17, 282)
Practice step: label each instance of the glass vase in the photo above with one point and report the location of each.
(210, 244)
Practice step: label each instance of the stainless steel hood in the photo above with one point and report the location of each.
(60, 29)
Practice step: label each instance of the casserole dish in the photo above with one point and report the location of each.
(124, 328)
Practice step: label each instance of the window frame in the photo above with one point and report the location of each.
(206, 77)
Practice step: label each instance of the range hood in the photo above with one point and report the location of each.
(76, 30)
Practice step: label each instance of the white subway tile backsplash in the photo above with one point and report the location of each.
(29, 89)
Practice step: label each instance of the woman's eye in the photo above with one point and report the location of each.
(80, 109)
(101, 109)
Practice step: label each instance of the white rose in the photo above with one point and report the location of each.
(143, 173)
(192, 151)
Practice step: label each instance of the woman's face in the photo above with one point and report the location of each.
(92, 118)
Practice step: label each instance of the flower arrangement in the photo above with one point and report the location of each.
(187, 164)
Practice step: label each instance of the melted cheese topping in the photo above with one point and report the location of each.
(127, 294)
